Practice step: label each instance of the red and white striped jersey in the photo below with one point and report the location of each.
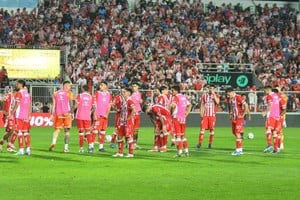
(210, 105)
(236, 105)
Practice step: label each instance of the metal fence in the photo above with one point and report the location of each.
(42, 94)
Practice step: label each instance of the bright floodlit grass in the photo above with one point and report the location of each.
(206, 174)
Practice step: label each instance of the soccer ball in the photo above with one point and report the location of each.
(107, 138)
(250, 135)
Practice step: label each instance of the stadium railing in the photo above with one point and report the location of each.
(42, 94)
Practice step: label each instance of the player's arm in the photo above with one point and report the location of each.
(269, 107)
(216, 98)
(246, 110)
(108, 109)
(14, 109)
(202, 109)
(172, 107)
(132, 113)
(229, 109)
(188, 109)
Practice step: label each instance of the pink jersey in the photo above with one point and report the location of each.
(236, 105)
(24, 99)
(273, 99)
(84, 108)
(181, 102)
(136, 97)
(62, 101)
(102, 101)
(210, 105)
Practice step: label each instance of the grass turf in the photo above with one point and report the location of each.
(206, 174)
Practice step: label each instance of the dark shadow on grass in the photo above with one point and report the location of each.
(8, 159)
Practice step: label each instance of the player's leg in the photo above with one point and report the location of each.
(203, 126)
(137, 119)
(269, 128)
(184, 140)
(212, 123)
(157, 129)
(20, 136)
(121, 134)
(67, 128)
(114, 138)
(129, 135)
(10, 146)
(27, 138)
(237, 129)
(79, 124)
(102, 132)
(58, 124)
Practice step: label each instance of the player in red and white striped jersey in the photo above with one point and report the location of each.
(238, 108)
(9, 123)
(208, 109)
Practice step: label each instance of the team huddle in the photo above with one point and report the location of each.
(168, 114)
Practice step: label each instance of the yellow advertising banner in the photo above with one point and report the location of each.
(31, 63)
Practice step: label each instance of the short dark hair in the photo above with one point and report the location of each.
(268, 87)
(22, 82)
(104, 82)
(176, 88)
(85, 87)
(145, 107)
(128, 89)
(212, 85)
(230, 89)
(162, 88)
(275, 90)
(66, 82)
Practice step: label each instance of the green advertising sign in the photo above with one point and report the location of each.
(233, 79)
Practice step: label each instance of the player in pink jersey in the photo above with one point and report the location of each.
(62, 114)
(22, 113)
(102, 102)
(209, 102)
(180, 107)
(283, 103)
(162, 120)
(136, 97)
(117, 105)
(125, 125)
(237, 108)
(272, 114)
(83, 103)
(9, 123)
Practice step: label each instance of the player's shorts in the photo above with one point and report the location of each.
(101, 123)
(22, 125)
(9, 123)
(273, 124)
(237, 126)
(126, 130)
(178, 127)
(63, 121)
(83, 125)
(167, 123)
(208, 123)
(137, 121)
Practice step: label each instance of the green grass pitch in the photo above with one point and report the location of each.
(206, 174)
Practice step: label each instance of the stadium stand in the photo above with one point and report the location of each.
(161, 43)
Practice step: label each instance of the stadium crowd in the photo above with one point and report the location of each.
(161, 43)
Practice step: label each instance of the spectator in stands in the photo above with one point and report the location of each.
(166, 39)
(4, 81)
